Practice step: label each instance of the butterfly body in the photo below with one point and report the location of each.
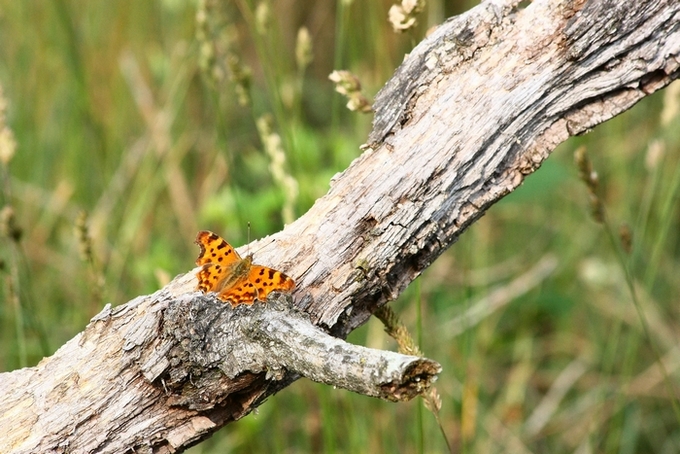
(235, 280)
(234, 273)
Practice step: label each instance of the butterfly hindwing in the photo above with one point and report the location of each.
(243, 292)
(267, 280)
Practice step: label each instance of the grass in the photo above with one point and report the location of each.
(126, 112)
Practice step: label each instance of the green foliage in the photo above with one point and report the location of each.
(144, 115)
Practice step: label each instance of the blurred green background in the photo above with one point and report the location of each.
(136, 124)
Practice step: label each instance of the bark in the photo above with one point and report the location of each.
(168, 369)
(475, 108)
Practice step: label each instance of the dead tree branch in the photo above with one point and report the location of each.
(474, 109)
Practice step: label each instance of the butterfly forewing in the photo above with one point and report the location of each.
(214, 249)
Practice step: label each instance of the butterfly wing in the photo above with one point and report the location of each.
(266, 280)
(235, 280)
(217, 257)
(258, 284)
(208, 277)
(242, 292)
(214, 249)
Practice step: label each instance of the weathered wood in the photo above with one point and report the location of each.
(476, 107)
(176, 366)
(275, 339)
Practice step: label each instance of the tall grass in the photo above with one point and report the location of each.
(144, 116)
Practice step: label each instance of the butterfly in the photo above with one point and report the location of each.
(234, 279)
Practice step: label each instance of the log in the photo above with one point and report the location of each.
(166, 370)
(475, 108)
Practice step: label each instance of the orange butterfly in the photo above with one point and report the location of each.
(235, 280)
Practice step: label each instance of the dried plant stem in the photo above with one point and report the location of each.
(12, 283)
(10, 230)
(277, 166)
(348, 85)
(589, 176)
(82, 232)
(407, 346)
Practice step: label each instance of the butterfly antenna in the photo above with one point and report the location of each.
(258, 242)
(248, 243)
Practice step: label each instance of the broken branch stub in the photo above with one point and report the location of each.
(279, 342)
